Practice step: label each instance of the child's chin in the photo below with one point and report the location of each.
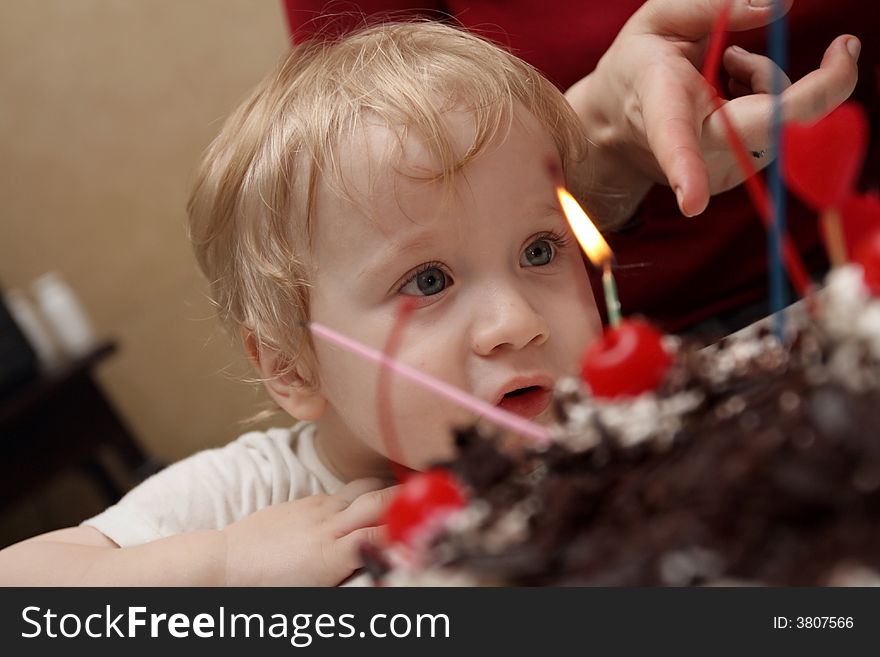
(404, 470)
(424, 462)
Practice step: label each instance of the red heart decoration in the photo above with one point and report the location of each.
(860, 218)
(821, 161)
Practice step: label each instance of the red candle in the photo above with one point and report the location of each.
(595, 246)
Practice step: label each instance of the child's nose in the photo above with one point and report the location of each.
(506, 318)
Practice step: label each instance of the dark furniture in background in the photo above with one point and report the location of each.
(60, 420)
(18, 362)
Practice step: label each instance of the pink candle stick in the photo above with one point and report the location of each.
(497, 415)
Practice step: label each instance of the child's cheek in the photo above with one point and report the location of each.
(429, 448)
(423, 423)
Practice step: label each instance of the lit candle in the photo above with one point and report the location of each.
(630, 357)
(596, 248)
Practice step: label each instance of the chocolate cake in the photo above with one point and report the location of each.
(755, 461)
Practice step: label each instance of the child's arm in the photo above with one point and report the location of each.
(314, 541)
(83, 556)
(650, 117)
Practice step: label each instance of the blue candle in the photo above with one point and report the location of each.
(778, 51)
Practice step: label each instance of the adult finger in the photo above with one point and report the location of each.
(364, 511)
(754, 71)
(750, 116)
(737, 89)
(819, 92)
(808, 99)
(694, 19)
(672, 129)
(752, 81)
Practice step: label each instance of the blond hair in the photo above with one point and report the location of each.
(252, 209)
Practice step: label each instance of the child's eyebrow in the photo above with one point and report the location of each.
(420, 240)
(385, 259)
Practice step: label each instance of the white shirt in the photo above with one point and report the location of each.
(216, 487)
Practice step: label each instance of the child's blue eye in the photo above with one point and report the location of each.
(538, 253)
(428, 281)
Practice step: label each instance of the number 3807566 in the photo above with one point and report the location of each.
(819, 622)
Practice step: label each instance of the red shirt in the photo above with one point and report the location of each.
(675, 270)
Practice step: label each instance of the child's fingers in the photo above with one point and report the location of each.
(343, 557)
(753, 72)
(355, 489)
(351, 543)
(364, 511)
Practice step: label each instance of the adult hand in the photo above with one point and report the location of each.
(651, 116)
(314, 541)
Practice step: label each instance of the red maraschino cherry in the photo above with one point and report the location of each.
(420, 506)
(626, 361)
(867, 254)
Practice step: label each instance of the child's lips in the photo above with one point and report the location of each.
(528, 404)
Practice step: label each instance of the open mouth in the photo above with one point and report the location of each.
(526, 402)
(522, 391)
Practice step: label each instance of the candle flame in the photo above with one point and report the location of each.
(590, 239)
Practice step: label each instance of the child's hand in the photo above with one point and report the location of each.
(648, 105)
(309, 542)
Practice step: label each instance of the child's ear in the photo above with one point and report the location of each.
(290, 391)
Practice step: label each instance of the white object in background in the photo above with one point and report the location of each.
(64, 313)
(34, 328)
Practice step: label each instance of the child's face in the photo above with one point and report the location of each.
(502, 299)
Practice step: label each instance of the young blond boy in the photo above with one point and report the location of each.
(408, 160)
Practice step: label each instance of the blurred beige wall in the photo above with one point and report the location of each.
(106, 106)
